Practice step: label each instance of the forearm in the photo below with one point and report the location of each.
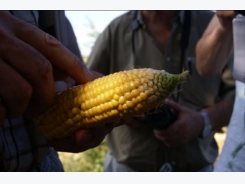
(213, 49)
(219, 114)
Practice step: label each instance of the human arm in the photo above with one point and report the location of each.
(189, 124)
(215, 45)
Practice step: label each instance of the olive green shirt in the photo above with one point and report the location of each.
(113, 51)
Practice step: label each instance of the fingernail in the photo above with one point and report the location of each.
(60, 86)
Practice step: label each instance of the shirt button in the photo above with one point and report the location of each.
(168, 59)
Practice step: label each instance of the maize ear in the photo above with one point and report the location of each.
(118, 95)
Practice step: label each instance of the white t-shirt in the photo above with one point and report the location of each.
(232, 157)
(239, 48)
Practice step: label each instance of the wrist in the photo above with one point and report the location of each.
(207, 127)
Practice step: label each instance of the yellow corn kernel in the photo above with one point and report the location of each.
(122, 94)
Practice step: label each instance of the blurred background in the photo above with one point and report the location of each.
(87, 26)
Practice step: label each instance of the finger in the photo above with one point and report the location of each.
(166, 133)
(168, 141)
(171, 130)
(15, 91)
(173, 140)
(172, 144)
(165, 140)
(140, 117)
(75, 143)
(70, 82)
(64, 145)
(159, 136)
(81, 140)
(59, 74)
(54, 51)
(96, 75)
(83, 136)
(94, 135)
(2, 114)
(35, 68)
(173, 104)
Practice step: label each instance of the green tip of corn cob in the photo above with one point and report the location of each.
(118, 95)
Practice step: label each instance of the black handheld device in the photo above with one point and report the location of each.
(161, 117)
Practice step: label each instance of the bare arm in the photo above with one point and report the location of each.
(215, 46)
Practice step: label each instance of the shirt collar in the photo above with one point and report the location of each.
(178, 18)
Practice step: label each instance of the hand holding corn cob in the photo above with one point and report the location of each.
(83, 139)
(119, 95)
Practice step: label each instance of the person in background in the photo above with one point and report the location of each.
(225, 34)
(39, 57)
(165, 40)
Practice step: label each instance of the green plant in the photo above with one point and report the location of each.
(89, 161)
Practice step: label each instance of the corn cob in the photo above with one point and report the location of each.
(119, 95)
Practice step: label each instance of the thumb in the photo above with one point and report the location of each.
(173, 104)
